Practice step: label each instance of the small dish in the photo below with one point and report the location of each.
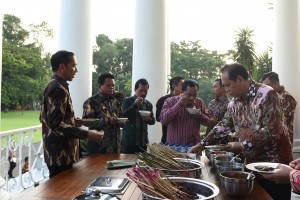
(252, 166)
(144, 113)
(122, 120)
(193, 111)
(90, 120)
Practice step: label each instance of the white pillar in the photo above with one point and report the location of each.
(150, 48)
(286, 53)
(1, 27)
(75, 36)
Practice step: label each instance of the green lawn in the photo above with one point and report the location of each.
(20, 119)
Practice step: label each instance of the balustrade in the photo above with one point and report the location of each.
(22, 143)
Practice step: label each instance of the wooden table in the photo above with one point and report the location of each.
(70, 183)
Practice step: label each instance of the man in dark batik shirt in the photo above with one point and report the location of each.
(135, 132)
(287, 101)
(218, 106)
(59, 127)
(107, 109)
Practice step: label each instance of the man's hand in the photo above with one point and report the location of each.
(235, 147)
(197, 149)
(139, 101)
(295, 164)
(113, 120)
(78, 122)
(282, 176)
(147, 118)
(95, 135)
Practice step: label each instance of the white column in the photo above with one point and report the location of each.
(75, 36)
(150, 48)
(1, 27)
(286, 53)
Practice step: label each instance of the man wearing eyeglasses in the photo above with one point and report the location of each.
(183, 127)
(106, 110)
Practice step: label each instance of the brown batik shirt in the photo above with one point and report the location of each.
(58, 125)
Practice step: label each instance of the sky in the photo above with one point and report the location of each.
(213, 22)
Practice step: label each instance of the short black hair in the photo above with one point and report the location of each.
(60, 57)
(141, 81)
(103, 77)
(220, 81)
(234, 70)
(273, 76)
(26, 159)
(189, 83)
(174, 81)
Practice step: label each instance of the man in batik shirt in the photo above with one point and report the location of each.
(288, 103)
(218, 106)
(59, 128)
(255, 114)
(135, 132)
(104, 107)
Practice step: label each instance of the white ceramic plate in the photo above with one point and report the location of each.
(219, 146)
(90, 120)
(251, 166)
(122, 120)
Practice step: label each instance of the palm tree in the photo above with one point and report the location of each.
(245, 49)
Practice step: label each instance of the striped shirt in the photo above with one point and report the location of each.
(183, 128)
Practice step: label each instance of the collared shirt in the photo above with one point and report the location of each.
(217, 109)
(259, 124)
(183, 128)
(135, 132)
(58, 125)
(103, 107)
(288, 104)
(295, 180)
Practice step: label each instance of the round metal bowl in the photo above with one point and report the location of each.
(229, 166)
(226, 158)
(215, 153)
(236, 183)
(193, 172)
(203, 189)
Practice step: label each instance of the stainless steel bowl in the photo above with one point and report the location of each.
(236, 183)
(215, 153)
(226, 158)
(203, 189)
(229, 166)
(193, 172)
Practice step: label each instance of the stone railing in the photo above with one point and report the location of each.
(22, 143)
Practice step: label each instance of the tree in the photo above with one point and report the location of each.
(245, 49)
(263, 65)
(25, 70)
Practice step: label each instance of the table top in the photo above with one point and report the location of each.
(71, 183)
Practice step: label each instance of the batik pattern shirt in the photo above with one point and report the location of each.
(295, 180)
(259, 124)
(103, 107)
(135, 132)
(183, 128)
(217, 109)
(288, 104)
(58, 125)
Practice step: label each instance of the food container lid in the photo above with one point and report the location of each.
(113, 185)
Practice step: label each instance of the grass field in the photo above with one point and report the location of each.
(20, 119)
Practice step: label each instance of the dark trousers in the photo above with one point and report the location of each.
(276, 191)
(54, 170)
(133, 149)
(12, 165)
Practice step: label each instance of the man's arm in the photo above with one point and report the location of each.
(169, 111)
